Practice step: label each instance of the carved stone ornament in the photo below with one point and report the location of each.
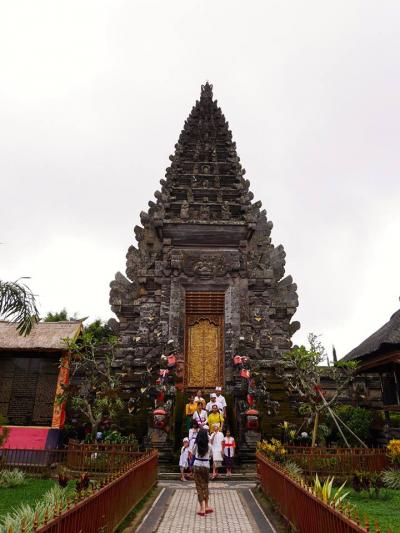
(209, 266)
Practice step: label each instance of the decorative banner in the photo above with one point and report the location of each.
(59, 409)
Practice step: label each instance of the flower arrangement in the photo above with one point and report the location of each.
(273, 449)
(394, 451)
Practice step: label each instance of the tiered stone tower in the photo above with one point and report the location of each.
(204, 272)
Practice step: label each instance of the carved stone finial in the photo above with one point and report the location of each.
(206, 91)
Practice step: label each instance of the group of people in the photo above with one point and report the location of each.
(206, 443)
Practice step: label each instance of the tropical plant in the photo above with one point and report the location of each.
(305, 376)
(273, 449)
(294, 469)
(393, 449)
(63, 477)
(391, 478)
(17, 304)
(326, 494)
(95, 387)
(370, 482)
(12, 478)
(23, 517)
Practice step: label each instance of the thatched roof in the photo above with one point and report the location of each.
(386, 337)
(44, 336)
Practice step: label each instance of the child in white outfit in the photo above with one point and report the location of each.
(184, 458)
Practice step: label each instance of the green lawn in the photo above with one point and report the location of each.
(32, 491)
(385, 508)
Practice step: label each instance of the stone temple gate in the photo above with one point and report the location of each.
(204, 272)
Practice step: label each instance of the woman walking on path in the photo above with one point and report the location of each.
(201, 469)
(216, 444)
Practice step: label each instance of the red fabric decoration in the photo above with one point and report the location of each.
(250, 400)
(244, 373)
(164, 373)
(161, 396)
(171, 360)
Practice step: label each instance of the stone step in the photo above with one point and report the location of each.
(239, 476)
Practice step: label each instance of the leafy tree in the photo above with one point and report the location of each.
(100, 331)
(305, 377)
(58, 316)
(95, 387)
(17, 304)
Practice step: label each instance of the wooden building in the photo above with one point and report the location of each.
(29, 375)
(379, 355)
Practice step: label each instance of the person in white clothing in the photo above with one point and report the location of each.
(202, 452)
(228, 447)
(221, 399)
(216, 444)
(184, 458)
(214, 401)
(200, 415)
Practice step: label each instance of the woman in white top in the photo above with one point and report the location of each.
(200, 415)
(202, 453)
(216, 444)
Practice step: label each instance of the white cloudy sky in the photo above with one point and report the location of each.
(93, 95)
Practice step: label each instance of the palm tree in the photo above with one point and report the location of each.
(17, 303)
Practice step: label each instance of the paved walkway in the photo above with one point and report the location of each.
(235, 510)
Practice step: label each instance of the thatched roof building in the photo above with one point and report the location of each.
(385, 340)
(380, 354)
(45, 336)
(30, 371)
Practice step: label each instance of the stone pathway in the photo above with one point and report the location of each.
(235, 510)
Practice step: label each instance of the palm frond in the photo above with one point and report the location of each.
(17, 304)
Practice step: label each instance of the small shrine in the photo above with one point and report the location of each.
(205, 278)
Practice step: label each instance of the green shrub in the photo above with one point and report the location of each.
(12, 478)
(359, 421)
(391, 478)
(370, 482)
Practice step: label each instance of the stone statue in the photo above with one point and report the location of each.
(185, 210)
(225, 211)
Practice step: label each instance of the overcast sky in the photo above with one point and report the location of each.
(93, 96)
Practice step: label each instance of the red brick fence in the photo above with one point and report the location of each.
(305, 512)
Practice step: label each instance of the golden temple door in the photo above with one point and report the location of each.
(204, 341)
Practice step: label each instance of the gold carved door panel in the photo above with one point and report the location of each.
(204, 352)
